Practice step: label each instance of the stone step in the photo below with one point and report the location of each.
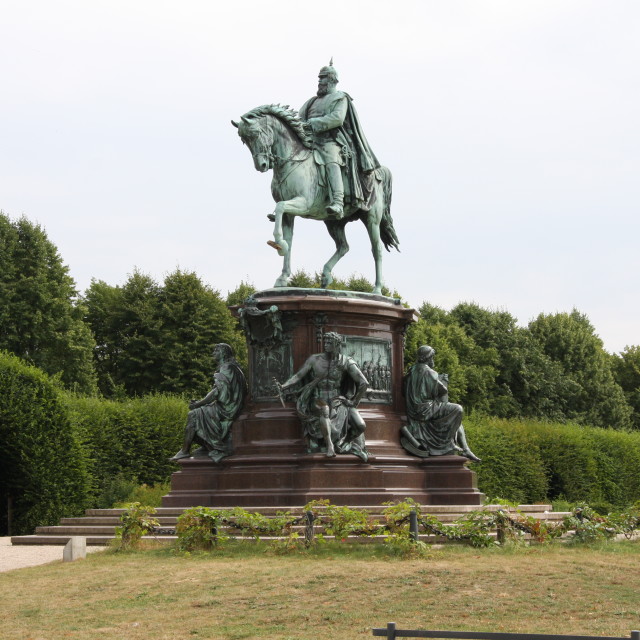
(98, 526)
(170, 521)
(102, 540)
(98, 540)
(430, 509)
(110, 520)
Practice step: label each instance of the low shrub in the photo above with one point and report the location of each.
(136, 521)
(197, 529)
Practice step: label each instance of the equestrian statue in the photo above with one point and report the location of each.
(323, 169)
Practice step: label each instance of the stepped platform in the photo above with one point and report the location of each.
(98, 525)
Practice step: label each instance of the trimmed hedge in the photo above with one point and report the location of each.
(128, 441)
(42, 470)
(528, 461)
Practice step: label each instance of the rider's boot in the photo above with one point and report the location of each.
(336, 188)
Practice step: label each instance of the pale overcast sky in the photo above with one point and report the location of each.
(511, 129)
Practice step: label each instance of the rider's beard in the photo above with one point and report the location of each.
(322, 91)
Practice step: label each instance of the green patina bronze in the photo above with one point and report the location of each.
(435, 424)
(271, 354)
(323, 169)
(327, 401)
(210, 419)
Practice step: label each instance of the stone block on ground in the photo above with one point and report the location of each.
(75, 549)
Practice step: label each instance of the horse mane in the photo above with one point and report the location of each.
(287, 115)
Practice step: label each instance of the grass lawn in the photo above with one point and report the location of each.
(331, 594)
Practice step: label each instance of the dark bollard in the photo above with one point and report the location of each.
(501, 534)
(413, 525)
(309, 529)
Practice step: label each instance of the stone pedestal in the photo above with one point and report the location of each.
(270, 466)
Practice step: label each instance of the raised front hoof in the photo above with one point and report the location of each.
(281, 247)
(271, 217)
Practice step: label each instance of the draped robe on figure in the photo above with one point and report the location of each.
(213, 419)
(433, 421)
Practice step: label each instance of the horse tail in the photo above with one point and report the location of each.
(387, 232)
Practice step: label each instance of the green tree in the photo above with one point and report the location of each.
(154, 337)
(529, 382)
(594, 398)
(240, 293)
(126, 329)
(472, 370)
(41, 320)
(192, 319)
(626, 370)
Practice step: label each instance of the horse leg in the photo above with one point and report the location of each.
(337, 232)
(373, 228)
(287, 233)
(278, 241)
(296, 206)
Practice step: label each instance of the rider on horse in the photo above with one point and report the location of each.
(340, 142)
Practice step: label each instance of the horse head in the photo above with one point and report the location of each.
(255, 132)
(257, 129)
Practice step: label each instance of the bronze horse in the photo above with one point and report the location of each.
(278, 140)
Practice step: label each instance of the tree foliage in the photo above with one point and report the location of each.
(240, 293)
(153, 337)
(556, 368)
(595, 397)
(40, 319)
(626, 371)
(355, 282)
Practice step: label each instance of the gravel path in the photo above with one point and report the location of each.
(20, 556)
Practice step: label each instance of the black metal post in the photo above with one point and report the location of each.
(309, 528)
(413, 525)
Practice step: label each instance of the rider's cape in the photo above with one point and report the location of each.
(358, 155)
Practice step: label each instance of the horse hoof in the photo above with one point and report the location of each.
(271, 217)
(325, 281)
(275, 245)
